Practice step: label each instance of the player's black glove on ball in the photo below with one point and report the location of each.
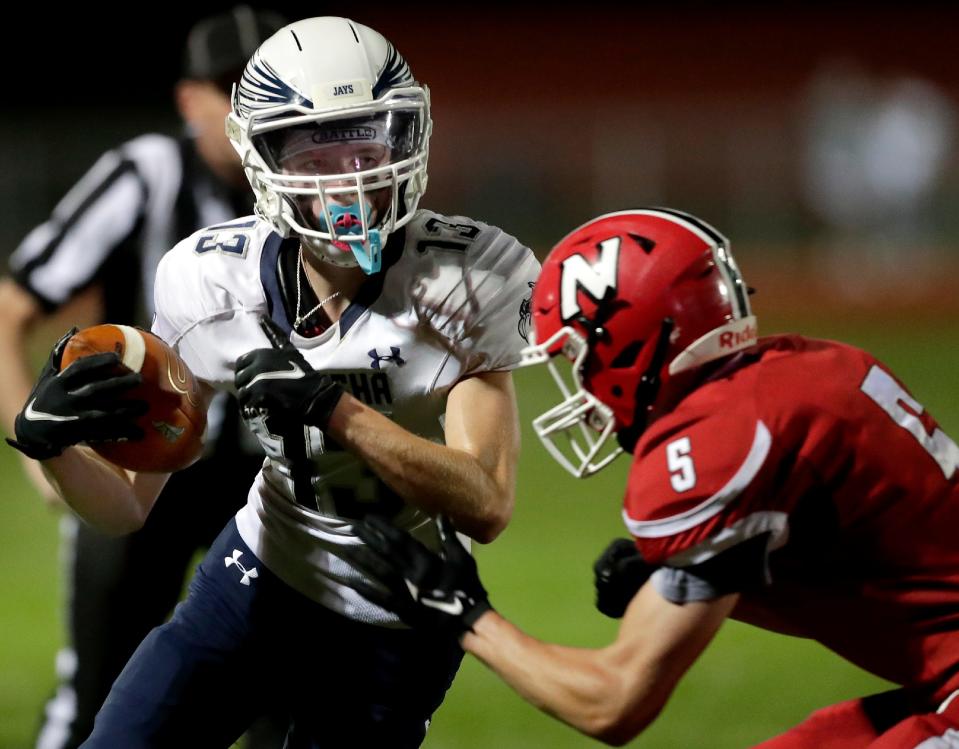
(619, 573)
(280, 381)
(81, 404)
(425, 589)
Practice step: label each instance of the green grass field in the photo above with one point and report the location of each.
(749, 685)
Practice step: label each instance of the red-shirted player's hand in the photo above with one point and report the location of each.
(439, 591)
(619, 573)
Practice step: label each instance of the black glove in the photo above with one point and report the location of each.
(281, 382)
(619, 573)
(84, 403)
(423, 588)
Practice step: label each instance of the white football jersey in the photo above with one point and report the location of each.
(452, 300)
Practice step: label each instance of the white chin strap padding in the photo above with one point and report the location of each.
(722, 341)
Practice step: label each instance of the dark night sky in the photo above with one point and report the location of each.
(80, 55)
(85, 54)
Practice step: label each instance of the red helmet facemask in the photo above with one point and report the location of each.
(630, 299)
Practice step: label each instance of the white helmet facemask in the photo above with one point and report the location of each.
(343, 179)
(578, 432)
(334, 136)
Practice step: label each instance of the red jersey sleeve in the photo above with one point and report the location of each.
(701, 484)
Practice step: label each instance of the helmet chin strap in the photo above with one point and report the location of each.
(647, 389)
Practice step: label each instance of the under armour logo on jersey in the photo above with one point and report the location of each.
(247, 573)
(393, 356)
(597, 279)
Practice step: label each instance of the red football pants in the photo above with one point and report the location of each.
(891, 720)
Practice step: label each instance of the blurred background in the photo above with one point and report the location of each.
(825, 144)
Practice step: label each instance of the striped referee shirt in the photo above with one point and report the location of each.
(114, 225)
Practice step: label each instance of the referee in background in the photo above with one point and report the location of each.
(107, 236)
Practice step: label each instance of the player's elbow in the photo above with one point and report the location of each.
(490, 529)
(116, 525)
(118, 531)
(127, 512)
(619, 715)
(492, 521)
(622, 730)
(483, 531)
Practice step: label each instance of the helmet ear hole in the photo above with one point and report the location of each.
(627, 357)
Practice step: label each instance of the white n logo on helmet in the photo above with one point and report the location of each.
(596, 279)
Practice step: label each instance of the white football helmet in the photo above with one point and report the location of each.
(333, 133)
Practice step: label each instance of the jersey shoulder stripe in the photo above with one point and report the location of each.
(713, 505)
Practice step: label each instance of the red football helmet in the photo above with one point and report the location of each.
(631, 299)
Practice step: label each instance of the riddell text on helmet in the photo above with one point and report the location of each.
(734, 338)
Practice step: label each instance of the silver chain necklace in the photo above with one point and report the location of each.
(301, 271)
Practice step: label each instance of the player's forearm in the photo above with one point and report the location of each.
(434, 477)
(582, 688)
(105, 496)
(14, 374)
(17, 316)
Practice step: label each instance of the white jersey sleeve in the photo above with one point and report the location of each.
(501, 329)
(477, 291)
(209, 298)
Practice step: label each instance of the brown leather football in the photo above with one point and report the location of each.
(174, 424)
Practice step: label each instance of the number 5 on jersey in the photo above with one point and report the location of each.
(892, 398)
(679, 461)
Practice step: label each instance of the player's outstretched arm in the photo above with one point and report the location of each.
(19, 314)
(611, 693)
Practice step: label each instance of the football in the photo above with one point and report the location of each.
(174, 424)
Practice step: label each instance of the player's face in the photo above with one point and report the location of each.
(335, 159)
(338, 158)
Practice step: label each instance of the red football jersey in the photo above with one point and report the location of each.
(806, 477)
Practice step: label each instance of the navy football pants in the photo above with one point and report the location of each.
(233, 652)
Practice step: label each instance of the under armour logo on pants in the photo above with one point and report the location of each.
(247, 573)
